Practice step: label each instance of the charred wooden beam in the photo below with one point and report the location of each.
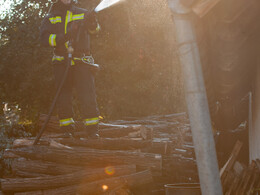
(28, 184)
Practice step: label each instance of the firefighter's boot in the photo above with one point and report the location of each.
(69, 130)
(92, 131)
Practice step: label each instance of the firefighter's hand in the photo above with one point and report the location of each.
(70, 49)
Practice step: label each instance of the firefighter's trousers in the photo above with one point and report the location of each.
(81, 79)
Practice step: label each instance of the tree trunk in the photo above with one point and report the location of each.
(24, 184)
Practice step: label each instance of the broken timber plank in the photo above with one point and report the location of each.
(107, 143)
(204, 6)
(91, 157)
(229, 164)
(248, 177)
(253, 183)
(131, 131)
(101, 186)
(232, 187)
(25, 174)
(24, 184)
(42, 167)
(240, 183)
(29, 142)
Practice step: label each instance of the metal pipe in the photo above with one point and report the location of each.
(196, 100)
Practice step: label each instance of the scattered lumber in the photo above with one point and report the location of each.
(162, 144)
(91, 157)
(24, 184)
(100, 186)
(237, 178)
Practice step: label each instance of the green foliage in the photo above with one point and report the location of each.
(141, 74)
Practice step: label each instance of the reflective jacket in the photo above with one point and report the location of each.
(55, 25)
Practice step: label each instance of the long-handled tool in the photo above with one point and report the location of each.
(70, 50)
(102, 5)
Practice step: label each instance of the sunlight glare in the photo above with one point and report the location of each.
(105, 187)
(110, 170)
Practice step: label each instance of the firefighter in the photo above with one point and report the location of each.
(65, 24)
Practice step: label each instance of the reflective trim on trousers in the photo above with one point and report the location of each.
(91, 121)
(66, 122)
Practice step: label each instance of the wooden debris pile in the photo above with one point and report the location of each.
(130, 154)
(173, 139)
(237, 178)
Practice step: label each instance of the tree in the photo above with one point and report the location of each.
(141, 73)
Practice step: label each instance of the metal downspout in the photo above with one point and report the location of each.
(196, 100)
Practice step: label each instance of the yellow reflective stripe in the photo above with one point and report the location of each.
(67, 44)
(67, 20)
(78, 17)
(52, 40)
(59, 58)
(55, 20)
(91, 121)
(66, 122)
(73, 62)
(96, 30)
